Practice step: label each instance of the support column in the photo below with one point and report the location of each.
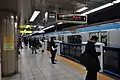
(9, 62)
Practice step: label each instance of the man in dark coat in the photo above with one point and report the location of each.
(93, 64)
(53, 50)
(34, 46)
(30, 42)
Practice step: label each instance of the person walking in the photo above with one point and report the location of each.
(92, 61)
(30, 42)
(42, 45)
(20, 43)
(34, 46)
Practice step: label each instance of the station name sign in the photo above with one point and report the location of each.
(72, 18)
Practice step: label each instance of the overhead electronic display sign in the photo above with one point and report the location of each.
(72, 18)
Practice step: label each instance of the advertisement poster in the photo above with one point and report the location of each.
(8, 43)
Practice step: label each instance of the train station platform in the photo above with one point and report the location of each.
(39, 67)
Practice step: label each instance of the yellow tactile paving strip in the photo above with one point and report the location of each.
(81, 68)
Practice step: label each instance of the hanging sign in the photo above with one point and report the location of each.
(72, 18)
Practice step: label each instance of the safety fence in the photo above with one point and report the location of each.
(109, 59)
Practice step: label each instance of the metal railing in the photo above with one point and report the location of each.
(71, 51)
(111, 60)
(111, 56)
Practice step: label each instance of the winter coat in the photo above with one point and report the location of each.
(91, 60)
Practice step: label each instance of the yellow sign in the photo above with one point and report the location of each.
(8, 43)
(26, 26)
(25, 31)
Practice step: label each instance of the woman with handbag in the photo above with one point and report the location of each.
(91, 60)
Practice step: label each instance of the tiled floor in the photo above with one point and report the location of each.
(39, 67)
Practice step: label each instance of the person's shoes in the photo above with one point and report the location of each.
(53, 63)
(56, 60)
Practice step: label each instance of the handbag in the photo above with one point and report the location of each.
(89, 62)
(83, 59)
(86, 60)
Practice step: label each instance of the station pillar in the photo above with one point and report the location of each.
(9, 59)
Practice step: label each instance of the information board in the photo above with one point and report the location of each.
(72, 18)
(8, 43)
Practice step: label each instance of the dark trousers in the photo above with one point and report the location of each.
(91, 75)
(34, 50)
(53, 54)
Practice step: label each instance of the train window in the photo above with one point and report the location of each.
(94, 33)
(77, 39)
(103, 37)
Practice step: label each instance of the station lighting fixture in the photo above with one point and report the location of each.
(16, 24)
(82, 9)
(60, 23)
(34, 26)
(39, 31)
(116, 1)
(46, 15)
(16, 17)
(102, 7)
(48, 27)
(27, 26)
(98, 8)
(35, 14)
(12, 16)
(41, 26)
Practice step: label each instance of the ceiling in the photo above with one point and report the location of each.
(60, 6)
(8, 5)
(63, 6)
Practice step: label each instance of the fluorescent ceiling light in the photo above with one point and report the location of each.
(16, 24)
(98, 8)
(82, 9)
(117, 1)
(27, 26)
(39, 31)
(34, 26)
(12, 16)
(46, 14)
(41, 26)
(35, 14)
(16, 17)
(48, 27)
(60, 23)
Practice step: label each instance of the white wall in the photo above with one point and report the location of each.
(85, 36)
(114, 37)
(65, 39)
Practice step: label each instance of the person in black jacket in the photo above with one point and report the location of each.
(93, 64)
(30, 42)
(53, 50)
(34, 46)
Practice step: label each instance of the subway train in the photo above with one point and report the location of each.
(108, 37)
(108, 34)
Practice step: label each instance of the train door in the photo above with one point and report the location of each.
(104, 37)
(95, 34)
(59, 38)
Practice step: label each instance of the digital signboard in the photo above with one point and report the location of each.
(72, 18)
